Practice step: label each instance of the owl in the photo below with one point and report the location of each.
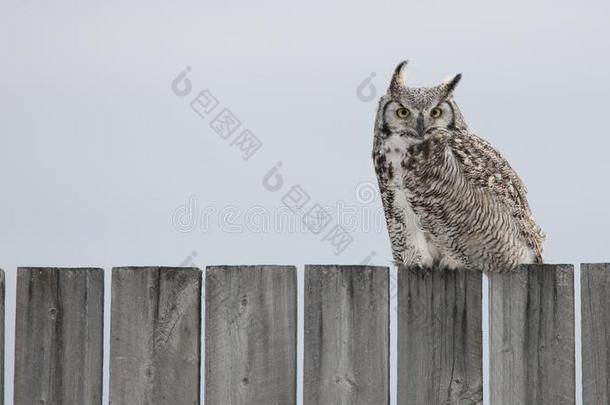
(450, 198)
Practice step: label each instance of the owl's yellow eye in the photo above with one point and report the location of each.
(436, 112)
(403, 112)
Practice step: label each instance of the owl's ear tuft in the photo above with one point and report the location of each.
(450, 84)
(398, 79)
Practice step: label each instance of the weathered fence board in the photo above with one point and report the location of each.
(346, 358)
(595, 311)
(439, 337)
(59, 336)
(2, 295)
(532, 335)
(155, 336)
(251, 335)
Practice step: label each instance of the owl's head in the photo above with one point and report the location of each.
(412, 113)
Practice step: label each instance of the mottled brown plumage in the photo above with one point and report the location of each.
(449, 197)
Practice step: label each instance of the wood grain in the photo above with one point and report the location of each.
(155, 336)
(439, 337)
(251, 335)
(346, 359)
(595, 311)
(59, 336)
(532, 335)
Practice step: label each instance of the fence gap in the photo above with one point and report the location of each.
(595, 310)
(251, 335)
(347, 342)
(532, 335)
(155, 336)
(440, 347)
(58, 341)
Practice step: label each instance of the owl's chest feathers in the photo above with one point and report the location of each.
(409, 173)
(391, 161)
(410, 243)
(399, 202)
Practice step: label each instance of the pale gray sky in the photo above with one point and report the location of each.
(97, 153)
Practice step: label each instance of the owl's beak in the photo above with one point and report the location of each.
(420, 126)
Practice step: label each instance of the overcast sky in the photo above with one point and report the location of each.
(103, 164)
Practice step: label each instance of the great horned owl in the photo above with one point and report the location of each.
(450, 198)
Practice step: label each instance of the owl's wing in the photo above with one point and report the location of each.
(395, 222)
(482, 165)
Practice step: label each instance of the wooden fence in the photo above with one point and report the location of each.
(251, 336)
